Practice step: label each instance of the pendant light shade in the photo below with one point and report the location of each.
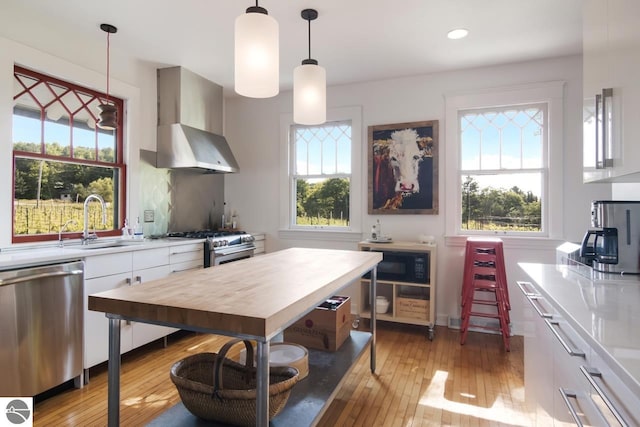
(309, 94)
(108, 119)
(257, 54)
(309, 86)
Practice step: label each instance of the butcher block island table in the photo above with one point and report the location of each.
(255, 298)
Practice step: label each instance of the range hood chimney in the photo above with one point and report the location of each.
(189, 114)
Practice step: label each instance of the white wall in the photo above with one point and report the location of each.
(251, 126)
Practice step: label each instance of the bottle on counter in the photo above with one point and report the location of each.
(125, 229)
(138, 234)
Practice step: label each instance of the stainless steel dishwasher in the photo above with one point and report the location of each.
(40, 328)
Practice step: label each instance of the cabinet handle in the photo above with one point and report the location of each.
(604, 158)
(607, 99)
(591, 374)
(523, 287)
(197, 267)
(566, 395)
(552, 324)
(533, 299)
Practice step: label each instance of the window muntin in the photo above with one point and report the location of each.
(320, 176)
(61, 156)
(503, 169)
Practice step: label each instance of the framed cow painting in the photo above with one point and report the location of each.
(403, 168)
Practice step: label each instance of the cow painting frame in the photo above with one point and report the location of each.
(403, 168)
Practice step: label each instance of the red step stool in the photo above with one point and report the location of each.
(484, 272)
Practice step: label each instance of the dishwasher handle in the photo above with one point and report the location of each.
(39, 276)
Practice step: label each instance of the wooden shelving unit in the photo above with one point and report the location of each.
(409, 302)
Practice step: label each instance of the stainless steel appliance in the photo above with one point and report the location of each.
(222, 246)
(613, 245)
(41, 334)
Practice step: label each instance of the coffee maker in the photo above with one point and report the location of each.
(613, 245)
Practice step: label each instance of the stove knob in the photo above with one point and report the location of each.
(224, 243)
(216, 244)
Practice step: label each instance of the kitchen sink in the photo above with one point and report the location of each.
(102, 244)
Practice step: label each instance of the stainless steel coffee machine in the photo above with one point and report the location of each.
(613, 245)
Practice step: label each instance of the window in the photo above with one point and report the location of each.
(503, 168)
(60, 157)
(321, 184)
(321, 174)
(504, 161)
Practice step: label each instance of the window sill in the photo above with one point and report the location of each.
(513, 242)
(327, 235)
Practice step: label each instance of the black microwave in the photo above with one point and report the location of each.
(411, 267)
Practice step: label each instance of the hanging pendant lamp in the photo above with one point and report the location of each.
(257, 54)
(108, 112)
(309, 86)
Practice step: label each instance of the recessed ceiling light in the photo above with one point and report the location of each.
(458, 33)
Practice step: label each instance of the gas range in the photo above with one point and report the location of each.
(221, 246)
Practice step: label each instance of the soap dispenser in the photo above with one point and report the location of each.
(137, 234)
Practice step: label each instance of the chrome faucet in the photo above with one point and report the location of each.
(85, 230)
(63, 228)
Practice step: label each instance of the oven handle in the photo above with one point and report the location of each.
(230, 251)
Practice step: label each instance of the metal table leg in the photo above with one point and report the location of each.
(372, 291)
(262, 384)
(114, 373)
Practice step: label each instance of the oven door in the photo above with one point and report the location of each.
(230, 254)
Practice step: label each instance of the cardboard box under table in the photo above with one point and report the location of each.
(324, 328)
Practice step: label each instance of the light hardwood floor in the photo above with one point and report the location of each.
(418, 382)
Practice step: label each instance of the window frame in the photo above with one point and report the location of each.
(288, 229)
(549, 93)
(119, 161)
(293, 177)
(543, 169)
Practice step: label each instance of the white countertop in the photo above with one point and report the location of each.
(605, 313)
(23, 256)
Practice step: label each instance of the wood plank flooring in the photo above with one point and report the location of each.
(418, 383)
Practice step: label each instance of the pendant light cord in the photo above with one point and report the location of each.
(108, 67)
(309, 21)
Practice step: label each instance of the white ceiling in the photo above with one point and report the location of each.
(355, 40)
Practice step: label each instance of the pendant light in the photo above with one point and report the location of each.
(108, 112)
(257, 54)
(309, 86)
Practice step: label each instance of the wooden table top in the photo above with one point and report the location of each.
(253, 297)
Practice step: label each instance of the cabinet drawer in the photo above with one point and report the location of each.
(187, 253)
(104, 265)
(150, 258)
(187, 265)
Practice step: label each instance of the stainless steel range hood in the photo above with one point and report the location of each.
(189, 115)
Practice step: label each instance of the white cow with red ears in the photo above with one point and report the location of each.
(405, 156)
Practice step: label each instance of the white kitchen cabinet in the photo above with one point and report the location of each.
(259, 242)
(566, 382)
(103, 273)
(538, 355)
(148, 265)
(617, 405)
(110, 271)
(611, 64)
(185, 257)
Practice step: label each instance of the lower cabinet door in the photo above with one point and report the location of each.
(143, 333)
(96, 324)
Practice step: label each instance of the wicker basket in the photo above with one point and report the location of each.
(215, 388)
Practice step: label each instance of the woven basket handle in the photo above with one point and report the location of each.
(221, 356)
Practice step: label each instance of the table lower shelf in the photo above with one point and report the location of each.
(309, 398)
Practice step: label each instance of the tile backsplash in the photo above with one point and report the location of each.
(181, 200)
